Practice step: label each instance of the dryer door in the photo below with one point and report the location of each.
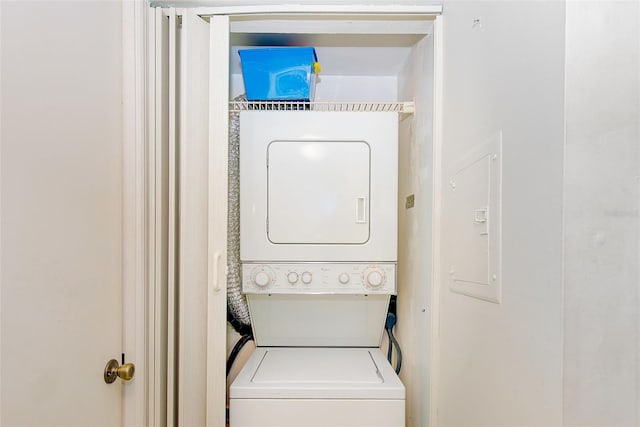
(318, 192)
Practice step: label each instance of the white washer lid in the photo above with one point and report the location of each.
(317, 373)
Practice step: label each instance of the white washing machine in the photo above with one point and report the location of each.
(317, 361)
(318, 209)
(309, 387)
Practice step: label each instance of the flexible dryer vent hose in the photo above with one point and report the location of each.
(237, 304)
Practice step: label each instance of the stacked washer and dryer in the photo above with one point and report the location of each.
(318, 235)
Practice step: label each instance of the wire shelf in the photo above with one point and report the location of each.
(392, 107)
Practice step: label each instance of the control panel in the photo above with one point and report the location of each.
(319, 278)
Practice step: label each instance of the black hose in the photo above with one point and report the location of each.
(390, 348)
(393, 343)
(236, 350)
(238, 326)
(392, 339)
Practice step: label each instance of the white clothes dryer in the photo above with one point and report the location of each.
(318, 186)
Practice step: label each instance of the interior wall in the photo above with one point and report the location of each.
(501, 363)
(602, 186)
(414, 231)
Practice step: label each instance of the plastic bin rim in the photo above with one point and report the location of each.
(315, 55)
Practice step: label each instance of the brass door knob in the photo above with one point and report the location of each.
(113, 370)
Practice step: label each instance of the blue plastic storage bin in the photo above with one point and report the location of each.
(279, 73)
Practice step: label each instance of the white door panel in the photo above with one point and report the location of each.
(61, 199)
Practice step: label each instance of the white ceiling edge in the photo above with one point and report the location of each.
(321, 24)
(301, 2)
(216, 7)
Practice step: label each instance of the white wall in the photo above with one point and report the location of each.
(501, 364)
(415, 159)
(602, 184)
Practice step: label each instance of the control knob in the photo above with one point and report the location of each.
(262, 276)
(306, 277)
(375, 278)
(292, 277)
(343, 278)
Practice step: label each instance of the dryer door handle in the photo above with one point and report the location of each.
(361, 210)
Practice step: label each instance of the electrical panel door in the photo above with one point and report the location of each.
(474, 222)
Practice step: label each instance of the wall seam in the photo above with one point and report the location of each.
(564, 222)
(0, 214)
(637, 408)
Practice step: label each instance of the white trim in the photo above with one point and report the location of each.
(134, 212)
(328, 24)
(217, 227)
(172, 243)
(637, 296)
(386, 9)
(158, 216)
(154, 273)
(152, 237)
(1, 213)
(436, 277)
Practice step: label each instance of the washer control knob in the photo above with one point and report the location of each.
(375, 278)
(306, 277)
(262, 279)
(343, 278)
(262, 276)
(292, 277)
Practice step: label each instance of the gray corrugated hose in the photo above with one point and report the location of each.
(237, 304)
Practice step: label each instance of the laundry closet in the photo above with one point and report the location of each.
(377, 81)
(380, 79)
